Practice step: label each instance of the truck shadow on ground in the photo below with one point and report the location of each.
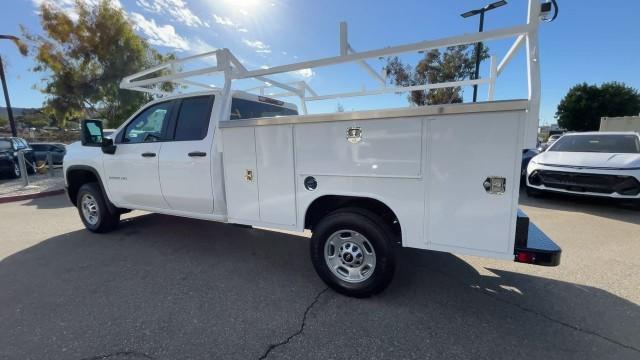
(606, 208)
(168, 288)
(49, 202)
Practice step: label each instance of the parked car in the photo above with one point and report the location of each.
(604, 164)
(527, 155)
(9, 147)
(552, 139)
(57, 151)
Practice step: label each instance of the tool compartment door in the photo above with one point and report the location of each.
(259, 175)
(240, 174)
(464, 151)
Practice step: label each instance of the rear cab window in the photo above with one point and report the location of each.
(248, 109)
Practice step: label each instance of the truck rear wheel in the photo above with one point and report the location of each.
(93, 210)
(352, 251)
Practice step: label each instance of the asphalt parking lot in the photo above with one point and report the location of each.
(172, 288)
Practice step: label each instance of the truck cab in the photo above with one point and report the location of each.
(164, 156)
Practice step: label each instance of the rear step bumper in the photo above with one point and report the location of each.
(532, 246)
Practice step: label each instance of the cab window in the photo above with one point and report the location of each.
(193, 118)
(148, 126)
(246, 109)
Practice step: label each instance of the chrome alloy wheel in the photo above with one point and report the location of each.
(350, 256)
(16, 169)
(90, 209)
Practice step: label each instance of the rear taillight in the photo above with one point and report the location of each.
(526, 257)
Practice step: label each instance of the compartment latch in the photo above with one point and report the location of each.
(495, 185)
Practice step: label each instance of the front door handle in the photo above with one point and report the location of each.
(148, 154)
(197, 153)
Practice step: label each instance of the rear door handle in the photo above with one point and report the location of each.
(197, 153)
(148, 154)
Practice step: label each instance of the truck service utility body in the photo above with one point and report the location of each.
(443, 177)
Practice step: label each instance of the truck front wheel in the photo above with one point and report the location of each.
(93, 210)
(352, 251)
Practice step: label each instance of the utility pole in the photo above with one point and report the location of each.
(480, 12)
(12, 123)
(14, 131)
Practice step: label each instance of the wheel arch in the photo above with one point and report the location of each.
(325, 204)
(78, 175)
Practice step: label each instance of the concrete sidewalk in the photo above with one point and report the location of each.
(39, 185)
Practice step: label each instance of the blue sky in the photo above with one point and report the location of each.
(589, 42)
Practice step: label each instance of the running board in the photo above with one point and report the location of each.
(532, 246)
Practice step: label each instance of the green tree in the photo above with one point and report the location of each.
(3, 121)
(454, 64)
(86, 59)
(36, 119)
(584, 105)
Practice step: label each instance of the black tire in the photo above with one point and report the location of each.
(15, 172)
(378, 235)
(105, 219)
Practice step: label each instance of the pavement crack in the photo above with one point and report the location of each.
(560, 322)
(137, 354)
(300, 330)
(540, 314)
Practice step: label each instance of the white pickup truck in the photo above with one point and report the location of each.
(362, 182)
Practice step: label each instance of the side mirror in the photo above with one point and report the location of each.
(91, 133)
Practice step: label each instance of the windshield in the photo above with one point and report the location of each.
(5, 145)
(628, 144)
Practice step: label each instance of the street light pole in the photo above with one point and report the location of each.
(14, 131)
(480, 12)
(478, 53)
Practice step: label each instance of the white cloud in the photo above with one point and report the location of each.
(177, 9)
(225, 21)
(69, 6)
(305, 73)
(162, 35)
(256, 44)
(66, 4)
(199, 46)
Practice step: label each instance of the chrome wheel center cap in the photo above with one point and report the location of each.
(351, 254)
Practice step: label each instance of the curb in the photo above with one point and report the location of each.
(37, 195)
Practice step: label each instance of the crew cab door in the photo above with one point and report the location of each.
(185, 161)
(132, 171)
